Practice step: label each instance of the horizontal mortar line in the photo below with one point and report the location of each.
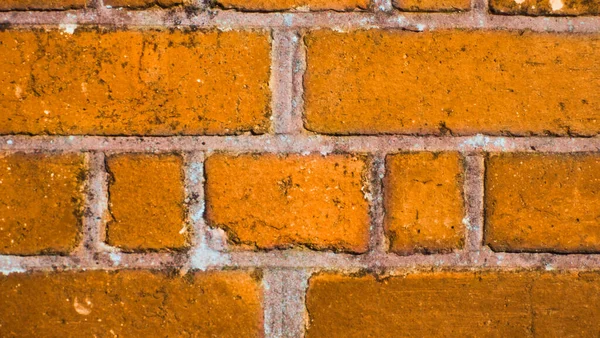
(317, 260)
(459, 260)
(299, 144)
(226, 20)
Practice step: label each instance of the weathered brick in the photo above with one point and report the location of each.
(147, 202)
(134, 82)
(433, 5)
(543, 202)
(40, 202)
(7, 5)
(130, 304)
(463, 82)
(143, 3)
(460, 304)
(267, 201)
(545, 7)
(278, 5)
(424, 207)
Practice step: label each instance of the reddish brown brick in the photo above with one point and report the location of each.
(40, 202)
(543, 202)
(545, 7)
(278, 5)
(455, 304)
(424, 206)
(132, 82)
(7, 5)
(130, 304)
(147, 202)
(455, 81)
(433, 5)
(267, 201)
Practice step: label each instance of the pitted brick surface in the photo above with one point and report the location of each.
(41, 202)
(131, 304)
(268, 201)
(134, 82)
(454, 82)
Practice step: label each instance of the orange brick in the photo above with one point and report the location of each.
(268, 202)
(143, 3)
(7, 5)
(433, 5)
(278, 5)
(130, 304)
(463, 82)
(424, 207)
(40, 203)
(147, 202)
(461, 304)
(543, 202)
(134, 82)
(546, 7)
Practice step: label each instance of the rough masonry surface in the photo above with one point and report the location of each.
(106, 82)
(268, 201)
(41, 203)
(452, 82)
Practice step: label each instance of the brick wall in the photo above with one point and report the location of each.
(299, 168)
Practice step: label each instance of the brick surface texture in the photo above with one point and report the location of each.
(320, 201)
(278, 5)
(41, 203)
(545, 7)
(433, 5)
(299, 168)
(142, 3)
(459, 82)
(130, 303)
(523, 304)
(423, 202)
(7, 5)
(134, 82)
(146, 202)
(544, 202)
